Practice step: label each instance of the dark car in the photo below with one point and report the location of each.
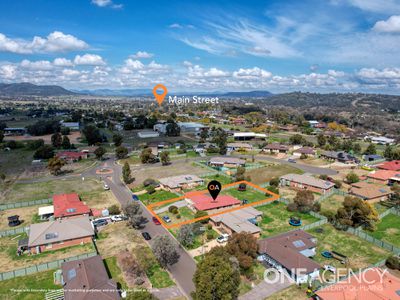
(98, 223)
(146, 236)
(156, 221)
(13, 221)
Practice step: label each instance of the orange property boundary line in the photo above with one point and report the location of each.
(271, 199)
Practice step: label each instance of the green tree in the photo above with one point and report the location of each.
(172, 129)
(1, 136)
(274, 181)
(244, 247)
(99, 152)
(65, 130)
(164, 157)
(117, 139)
(92, 135)
(200, 214)
(371, 149)
(186, 235)
(126, 173)
(121, 152)
(304, 201)
(240, 173)
(44, 152)
(146, 156)
(55, 164)
(114, 209)
(216, 277)
(352, 178)
(297, 139)
(321, 140)
(357, 148)
(134, 213)
(65, 144)
(56, 140)
(388, 153)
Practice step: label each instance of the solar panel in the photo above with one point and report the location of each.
(51, 235)
(71, 274)
(298, 243)
(71, 210)
(382, 190)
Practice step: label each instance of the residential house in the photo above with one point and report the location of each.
(393, 165)
(386, 177)
(191, 127)
(205, 202)
(14, 131)
(239, 147)
(59, 234)
(180, 182)
(238, 121)
(380, 140)
(87, 279)
(242, 220)
(308, 151)
(306, 182)
(370, 191)
(45, 212)
(276, 148)
(290, 252)
(71, 125)
(71, 156)
(226, 161)
(144, 134)
(243, 136)
(69, 205)
(372, 157)
(370, 284)
(339, 156)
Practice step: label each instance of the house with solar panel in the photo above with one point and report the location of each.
(306, 182)
(291, 253)
(59, 234)
(370, 191)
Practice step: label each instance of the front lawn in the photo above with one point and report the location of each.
(276, 217)
(158, 277)
(250, 194)
(388, 230)
(265, 174)
(361, 253)
(38, 281)
(157, 196)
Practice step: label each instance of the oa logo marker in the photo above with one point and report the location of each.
(160, 97)
(214, 187)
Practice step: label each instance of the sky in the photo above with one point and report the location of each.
(279, 46)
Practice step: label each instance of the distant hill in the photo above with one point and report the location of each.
(122, 92)
(29, 89)
(248, 94)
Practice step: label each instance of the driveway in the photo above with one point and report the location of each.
(205, 248)
(264, 289)
(184, 269)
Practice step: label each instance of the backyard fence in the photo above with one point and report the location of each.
(392, 210)
(368, 238)
(14, 231)
(42, 267)
(25, 203)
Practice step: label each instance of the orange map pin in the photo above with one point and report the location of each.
(160, 97)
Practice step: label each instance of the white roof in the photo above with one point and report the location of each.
(248, 134)
(46, 210)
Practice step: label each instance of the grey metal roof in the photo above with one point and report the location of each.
(308, 180)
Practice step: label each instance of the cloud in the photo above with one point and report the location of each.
(36, 65)
(142, 54)
(175, 25)
(376, 6)
(8, 72)
(107, 3)
(62, 62)
(252, 73)
(54, 42)
(89, 60)
(391, 25)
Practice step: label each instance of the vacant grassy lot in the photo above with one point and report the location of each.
(114, 272)
(10, 261)
(361, 253)
(37, 281)
(388, 230)
(41, 190)
(276, 219)
(26, 214)
(157, 196)
(250, 194)
(158, 277)
(332, 203)
(263, 175)
(14, 162)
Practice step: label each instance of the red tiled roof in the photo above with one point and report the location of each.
(383, 174)
(393, 165)
(71, 154)
(205, 202)
(69, 205)
(373, 284)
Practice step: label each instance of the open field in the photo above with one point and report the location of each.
(388, 230)
(14, 162)
(276, 217)
(361, 253)
(332, 203)
(42, 190)
(74, 137)
(263, 175)
(26, 214)
(37, 281)
(10, 261)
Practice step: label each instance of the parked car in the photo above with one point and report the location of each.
(156, 221)
(13, 221)
(117, 218)
(291, 160)
(106, 187)
(146, 236)
(135, 197)
(166, 219)
(223, 238)
(100, 222)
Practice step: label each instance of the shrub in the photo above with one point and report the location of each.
(393, 262)
(172, 208)
(316, 207)
(114, 209)
(150, 189)
(209, 226)
(338, 184)
(178, 216)
(149, 181)
(274, 182)
(292, 207)
(210, 235)
(303, 156)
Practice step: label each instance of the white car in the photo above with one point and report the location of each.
(330, 268)
(106, 187)
(223, 238)
(117, 218)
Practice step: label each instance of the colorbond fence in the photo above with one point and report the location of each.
(25, 203)
(42, 267)
(14, 231)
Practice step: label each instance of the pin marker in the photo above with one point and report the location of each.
(160, 97)
(214, 187)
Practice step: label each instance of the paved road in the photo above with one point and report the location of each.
(184, 269)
